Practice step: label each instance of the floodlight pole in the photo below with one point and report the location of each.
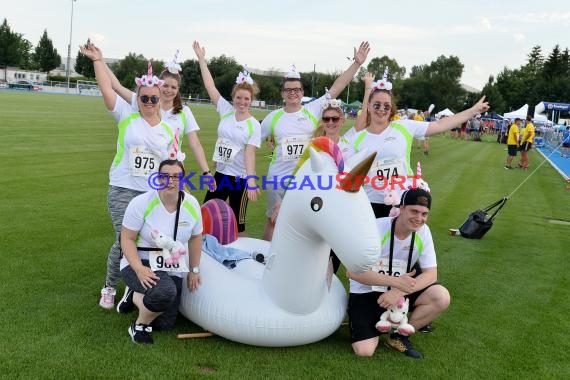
(348, 91)
(313, 80)
(69, 46)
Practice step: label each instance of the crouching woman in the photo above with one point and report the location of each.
(161, 240)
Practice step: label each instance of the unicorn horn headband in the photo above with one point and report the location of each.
(244, 77)
(173, 66)
(330, 102)
(293, 74)
(383, 84)
(149, 80)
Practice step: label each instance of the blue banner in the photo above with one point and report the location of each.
(556, 106)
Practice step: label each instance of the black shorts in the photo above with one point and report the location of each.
(364, 312)
(565, 145)
(512, 150)
(381, 210)
(526, 146)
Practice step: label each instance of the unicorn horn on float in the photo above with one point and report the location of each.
(357, 174)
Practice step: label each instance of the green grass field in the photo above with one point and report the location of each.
(508, 317)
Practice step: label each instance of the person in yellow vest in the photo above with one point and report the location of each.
(526, 143)
(512, 142)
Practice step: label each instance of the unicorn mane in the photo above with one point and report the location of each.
(322, 144)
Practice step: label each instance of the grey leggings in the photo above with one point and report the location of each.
(164, 297)
(118, 199)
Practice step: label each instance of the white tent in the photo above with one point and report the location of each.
(521, 114)
(445, 112)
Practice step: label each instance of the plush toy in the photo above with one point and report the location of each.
(171, 250)
(396, 317)
(392, 198)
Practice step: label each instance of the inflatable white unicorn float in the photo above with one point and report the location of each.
(293, 299)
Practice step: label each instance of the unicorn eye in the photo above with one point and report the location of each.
(316, 204)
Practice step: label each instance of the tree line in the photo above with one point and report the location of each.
(540, 78)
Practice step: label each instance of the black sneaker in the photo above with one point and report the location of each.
(402, 344)
(508, 167)
(426, 329)
(140, 333)
(126, 304)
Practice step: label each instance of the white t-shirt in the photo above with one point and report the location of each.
(345, 147)
(233, 137)
(183, 121)
(423, 252)
(146, 212)
(140, 148)
(292, 132)
(393, 147)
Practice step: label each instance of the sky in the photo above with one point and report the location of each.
(272, 35)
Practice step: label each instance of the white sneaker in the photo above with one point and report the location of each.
(107, 300)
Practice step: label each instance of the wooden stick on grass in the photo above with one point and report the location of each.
(194, 335)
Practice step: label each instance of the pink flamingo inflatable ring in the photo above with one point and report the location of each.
(293, 299)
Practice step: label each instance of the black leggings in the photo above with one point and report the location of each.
(162, 298)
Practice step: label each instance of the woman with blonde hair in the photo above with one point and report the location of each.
(238, 138)
(144, 140)
(392, 140)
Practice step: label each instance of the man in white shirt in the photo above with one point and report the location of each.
(405, 241)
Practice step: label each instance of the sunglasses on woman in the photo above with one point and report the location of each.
(149, 99)
(385, 106)
(328, 119)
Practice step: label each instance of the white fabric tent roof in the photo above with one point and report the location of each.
(521, 114)
(445, 112)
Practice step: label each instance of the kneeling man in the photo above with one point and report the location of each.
(406, 241)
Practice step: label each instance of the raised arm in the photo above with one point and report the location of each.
(344, 79)
(360, 122)
(449, 122)
(213, 92)
(94, 54)
(121, 90)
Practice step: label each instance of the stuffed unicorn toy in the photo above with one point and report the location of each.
(171, 250)
(392, 198)
(396, 317)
